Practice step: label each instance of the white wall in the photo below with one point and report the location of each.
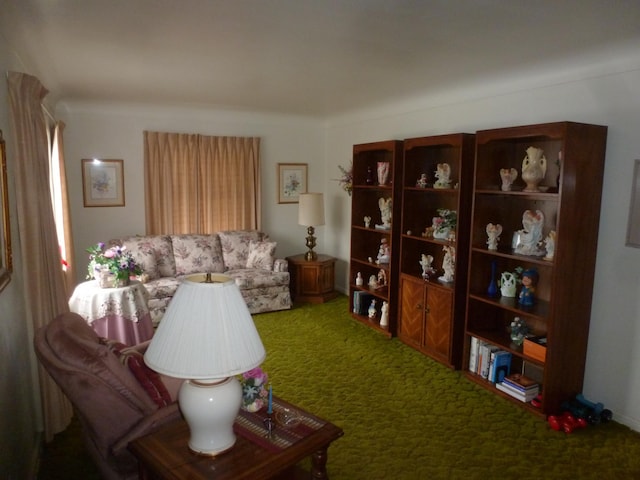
(116, 131)
(612, 99)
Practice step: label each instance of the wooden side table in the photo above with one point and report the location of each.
(165, 454)
(312, 280)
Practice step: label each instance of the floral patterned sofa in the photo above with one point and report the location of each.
(248, 256)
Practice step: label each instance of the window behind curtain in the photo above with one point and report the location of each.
(201, 184)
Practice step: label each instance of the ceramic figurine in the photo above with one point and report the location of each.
(493, 232)
(529, 280)
(534, 168)
(384, 316)
(531, 234)
(448, 264)
(384, 254)
(425, 263)
(373, 282)
(382, 278)
(508, 283)
(550, 245)
(508, 176)
(422, 181)
(359, 279)
(372, 309)
(443, 173)
(385, 213)
(367, 221)
(383, 172)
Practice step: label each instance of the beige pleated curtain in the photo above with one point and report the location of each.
(201, 184)
(44, 286)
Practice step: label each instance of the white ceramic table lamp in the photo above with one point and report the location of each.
(207, 336)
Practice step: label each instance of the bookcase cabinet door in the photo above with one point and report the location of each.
(426, 312)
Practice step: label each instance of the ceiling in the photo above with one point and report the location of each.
(311, 57)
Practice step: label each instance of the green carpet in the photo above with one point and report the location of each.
(406, 416)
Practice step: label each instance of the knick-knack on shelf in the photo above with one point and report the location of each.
(443, 174)
(359, 279)
(534, 168)
(531, 235)
(508, 176)
(425, 263)
(372, 309)
(529, 280)
(383, 172)
(448, 264)
(550, 245)
(384, 314)
(493, 232)
(492, 291)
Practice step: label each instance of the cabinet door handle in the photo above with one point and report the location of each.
(419, 306)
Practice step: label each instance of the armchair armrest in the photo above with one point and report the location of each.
(280, 265)
(158, 418)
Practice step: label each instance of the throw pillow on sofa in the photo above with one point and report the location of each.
(261, 255)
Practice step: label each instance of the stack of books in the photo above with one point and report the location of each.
(520, 387)
(361, 302)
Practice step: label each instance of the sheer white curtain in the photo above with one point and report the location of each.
(44, 286)
(201, 184)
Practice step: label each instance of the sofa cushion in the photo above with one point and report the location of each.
(235, 246)
(247, 279)
(143, 246)
(261, 255)
(197, 254)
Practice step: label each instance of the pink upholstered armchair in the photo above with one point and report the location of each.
(106, 384)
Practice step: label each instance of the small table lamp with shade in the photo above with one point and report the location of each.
(207, 337)
(310, 214)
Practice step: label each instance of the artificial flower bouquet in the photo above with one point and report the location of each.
(116, 260)
(254, 389)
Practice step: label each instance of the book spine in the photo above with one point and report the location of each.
(473, 355)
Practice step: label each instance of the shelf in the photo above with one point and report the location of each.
(540, 309)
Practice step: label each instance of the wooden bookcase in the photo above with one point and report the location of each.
(366, 241)
(431, 312)
(570, 203)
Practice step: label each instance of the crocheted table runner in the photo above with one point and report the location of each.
(251, 426)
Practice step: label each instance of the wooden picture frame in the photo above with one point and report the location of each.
(292, 181)
(103, 183)
(6, 262)
(633, 225)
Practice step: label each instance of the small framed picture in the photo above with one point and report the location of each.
(633, 227)
(103, 183)
(292, 181)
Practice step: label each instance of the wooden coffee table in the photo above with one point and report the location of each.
(165, 453)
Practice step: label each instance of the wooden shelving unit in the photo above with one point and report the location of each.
(431, 312)
(365, 241)
(570, 204)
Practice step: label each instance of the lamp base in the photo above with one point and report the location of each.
(210, 408)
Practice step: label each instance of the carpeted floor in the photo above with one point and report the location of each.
(404, 415)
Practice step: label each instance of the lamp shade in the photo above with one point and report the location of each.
(311, 209)
(207, 332)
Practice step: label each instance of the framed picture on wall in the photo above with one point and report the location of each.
(292, 181)
(103, 183)
(633, 227)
